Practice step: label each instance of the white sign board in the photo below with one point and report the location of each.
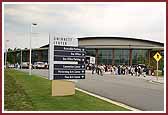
(92, 60)
(66, 59)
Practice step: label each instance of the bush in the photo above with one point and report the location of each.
(159, 73)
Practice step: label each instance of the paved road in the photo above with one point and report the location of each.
(133, 91)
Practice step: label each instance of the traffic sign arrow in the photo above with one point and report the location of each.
(69, 77)
(63, 71)
(66, 58)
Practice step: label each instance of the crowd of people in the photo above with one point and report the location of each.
(135, 70)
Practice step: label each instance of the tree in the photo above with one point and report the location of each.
(9, 49)
(10, 57)
(15, 49)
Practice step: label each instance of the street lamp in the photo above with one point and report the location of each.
(32, 25)
(6, 53)
(20, 58)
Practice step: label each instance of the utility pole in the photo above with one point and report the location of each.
(6, 51)
(21, 59)
(30, 65)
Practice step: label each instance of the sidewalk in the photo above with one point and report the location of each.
(154, 79)
(148, 78)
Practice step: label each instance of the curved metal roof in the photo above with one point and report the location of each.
(122, 38)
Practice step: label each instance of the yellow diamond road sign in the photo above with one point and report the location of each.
(157, 56)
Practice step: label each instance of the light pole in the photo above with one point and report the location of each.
(20, 58)
(6, 53)
(32, 25)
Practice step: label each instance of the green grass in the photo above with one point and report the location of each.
(159, 73)
(15, 96)
(25, 93)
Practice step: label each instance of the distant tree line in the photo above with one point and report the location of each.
(11, 55)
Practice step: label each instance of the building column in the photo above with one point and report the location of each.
(23, 56)
(96, 56)
(149, 56)
(113, 57)
(27, 53)
(130, 57)
(40, 55)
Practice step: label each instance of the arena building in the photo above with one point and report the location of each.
(106, 50)
(119, 50)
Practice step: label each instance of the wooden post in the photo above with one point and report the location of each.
(157, 71)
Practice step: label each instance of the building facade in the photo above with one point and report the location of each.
(119, 50)
(107, 50)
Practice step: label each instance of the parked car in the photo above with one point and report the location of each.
(39, 65)
(11, 66)
(25, 65)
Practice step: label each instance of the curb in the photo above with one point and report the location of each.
(157, 82)
(109, 100)
(154, 81)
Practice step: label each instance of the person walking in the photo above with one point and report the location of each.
(144, 71)
(162, 71)
(116, 71)
(101, 70)
(93, 68)
(139, 71)
(98, 69)
(111, 69)
(106, 69)
(136, 70)
(119, 70)
(132, 71)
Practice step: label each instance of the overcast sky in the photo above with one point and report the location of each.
(137, 20)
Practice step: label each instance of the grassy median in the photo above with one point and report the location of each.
(25, 93)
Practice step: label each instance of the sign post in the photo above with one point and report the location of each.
(92, 60)
(66, 64)
(157, 57)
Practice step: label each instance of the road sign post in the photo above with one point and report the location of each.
(157, 57)
(157, 70)
(66, 64)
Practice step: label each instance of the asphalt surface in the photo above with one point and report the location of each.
(133, 91)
